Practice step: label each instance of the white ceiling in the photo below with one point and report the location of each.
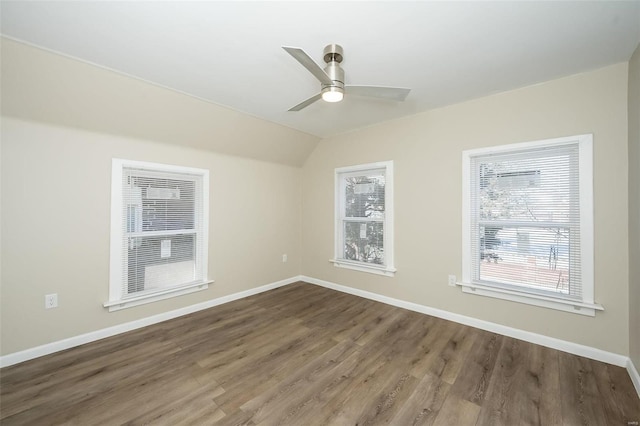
(230, 53)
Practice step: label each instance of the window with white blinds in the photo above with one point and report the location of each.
(364, 218)
(528, 228)
(159, 232)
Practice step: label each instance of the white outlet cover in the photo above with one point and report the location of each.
(51, 301)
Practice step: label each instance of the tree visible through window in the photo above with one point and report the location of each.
(363, 226)
(364, 198)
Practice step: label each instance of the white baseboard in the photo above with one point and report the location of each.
(49, 348)
(539, 339)
(635, 377)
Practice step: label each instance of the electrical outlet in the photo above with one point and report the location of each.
(452, 280)
(284, 258)
(51, 301)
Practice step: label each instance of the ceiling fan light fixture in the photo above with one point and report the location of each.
(332, 79)
(332, 94)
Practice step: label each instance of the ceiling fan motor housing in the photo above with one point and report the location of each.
(333, 55)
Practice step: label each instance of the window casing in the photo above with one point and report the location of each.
(528, 223)
(364, 218)
(159, 232)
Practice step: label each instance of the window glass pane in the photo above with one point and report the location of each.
(161, 242)
(364, 196)
(363, 242)
(527, 203)
(528, 222)
(526, 188)
(530, 257)
(164, 204)
(161, 261)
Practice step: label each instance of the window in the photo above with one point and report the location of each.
(364, 218)
(528, 223)
(159, 232)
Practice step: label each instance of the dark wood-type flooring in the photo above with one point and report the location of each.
(306, 355)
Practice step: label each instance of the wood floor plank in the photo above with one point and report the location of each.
(102, 374)
(617, 393)
(153, 401)
(371, 327)
(382, 366)
(201, 410)
(456, 411)
(273, 370)
(473, 378)
(544, 384)
(306, 355)
(339, 312)
(280, 400)
(86, 405)
(433, 341)
(252, 343)
(371, 314)
(305, 407)
(236, 418)
(391, 397)
(452, 357)
(290, 301)
(524, 387)
(423, 405)
(579, 394)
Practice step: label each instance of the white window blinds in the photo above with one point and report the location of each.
(525, 220)
(159, 230)
(364, 218)
(161, 238)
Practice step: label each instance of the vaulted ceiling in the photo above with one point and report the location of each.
(229, 53)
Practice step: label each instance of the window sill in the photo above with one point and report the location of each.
(129, 302)
(574, 307)
(387, 271)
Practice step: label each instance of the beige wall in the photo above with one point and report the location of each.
(56, 191)
(46, 87)
(427, 154)
(634, 207)
(56, 218)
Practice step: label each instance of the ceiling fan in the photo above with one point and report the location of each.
(332, 79)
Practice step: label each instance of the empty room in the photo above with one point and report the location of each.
(320, 213)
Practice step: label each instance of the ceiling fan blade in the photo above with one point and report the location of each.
(306, 103)
(306, 61)
(390, 93)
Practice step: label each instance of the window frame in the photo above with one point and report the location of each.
(118, 300)
(386, 269)
(583, 306)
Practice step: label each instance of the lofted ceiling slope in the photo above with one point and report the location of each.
(229, 53)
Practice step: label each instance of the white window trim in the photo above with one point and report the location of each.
(388, 268)
(116, 300)
(587, 305)
(358, 266)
